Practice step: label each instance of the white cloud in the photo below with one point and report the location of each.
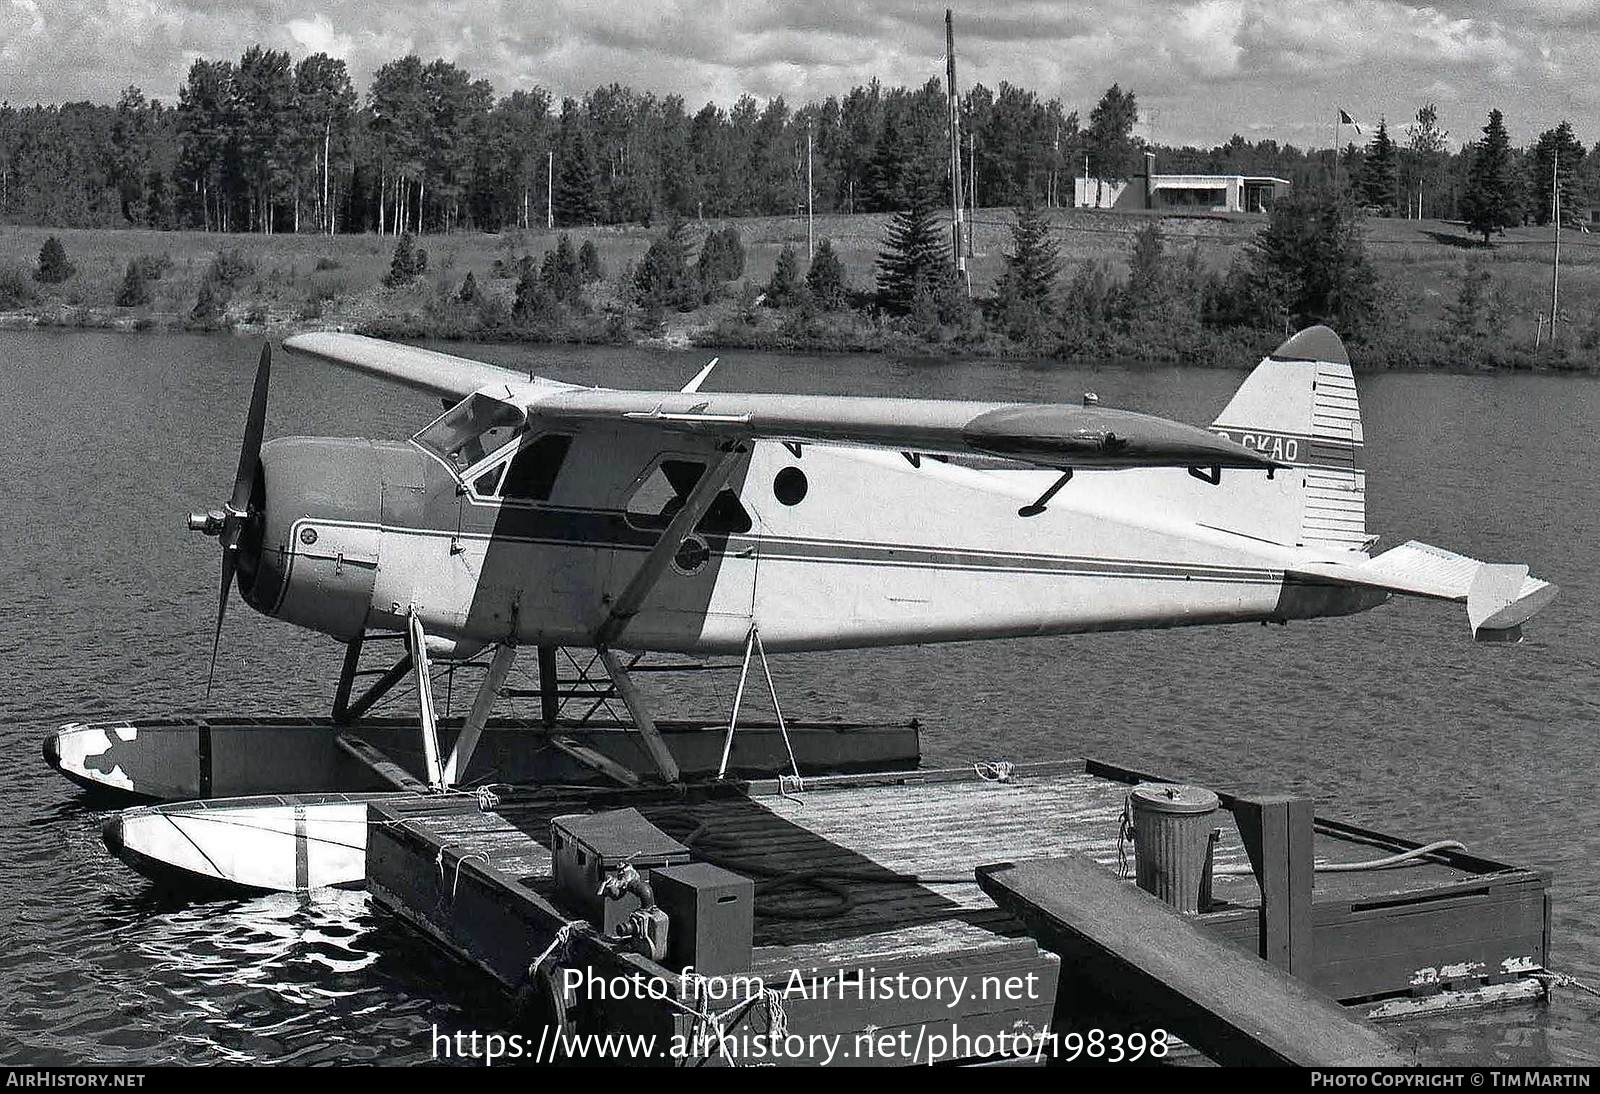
(1209, 67)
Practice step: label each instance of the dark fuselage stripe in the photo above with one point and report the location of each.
(905, 556)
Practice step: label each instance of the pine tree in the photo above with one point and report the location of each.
(1558, 153)
(469, 289)
(664, 279)
(589, 262)
(721, 258)
(1025, 291)
(1490, 201)
(409, 262)
(913, 259)
(134, 292)
(784, 288)
(577, 192)
(560, 273)
(54, 267)
(825, 279)
(1380, 172)
(1306, 266)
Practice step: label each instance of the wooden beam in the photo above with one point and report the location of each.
(380, 765)
(1157, 964)
(1277, 833)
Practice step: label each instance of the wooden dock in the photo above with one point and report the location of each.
(874, 875)
(1150, 962)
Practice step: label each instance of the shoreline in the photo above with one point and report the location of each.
(686, 339)
(282, 284)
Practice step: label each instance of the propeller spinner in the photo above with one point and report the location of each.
(229, 524)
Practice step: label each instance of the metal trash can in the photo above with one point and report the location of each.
(1172, 827)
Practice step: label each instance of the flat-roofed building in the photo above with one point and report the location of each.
(1180, 193)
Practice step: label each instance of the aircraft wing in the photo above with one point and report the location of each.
(437, 373)
(1499, 598)
(1049, 435)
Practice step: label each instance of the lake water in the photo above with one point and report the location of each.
(1393, 719)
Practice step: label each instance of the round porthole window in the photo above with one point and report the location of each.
(308, 536)
(691, 556)
(790, 486)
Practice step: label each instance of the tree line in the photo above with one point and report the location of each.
(266, 143)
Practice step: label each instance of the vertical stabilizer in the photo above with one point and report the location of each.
(1300, 407)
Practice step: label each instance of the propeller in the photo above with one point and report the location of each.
(229, 524)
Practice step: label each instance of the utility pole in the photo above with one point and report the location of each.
(811, 233)
(550, 190)
(955, 152)
(327, 144)
(1555, 266)
(972, 189)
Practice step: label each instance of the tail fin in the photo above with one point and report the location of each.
(1300, 406)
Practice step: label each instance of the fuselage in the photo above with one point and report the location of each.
(818, 546)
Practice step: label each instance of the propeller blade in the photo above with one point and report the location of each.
(254, 425)
(230, 562)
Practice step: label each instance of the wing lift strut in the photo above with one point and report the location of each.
(627, 603)
(444, 771)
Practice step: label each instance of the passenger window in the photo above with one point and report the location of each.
(534, 468)
(663, 492)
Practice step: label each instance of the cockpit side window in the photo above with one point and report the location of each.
(529, 475)
(667, 487)
(471, 430)
(534, 468)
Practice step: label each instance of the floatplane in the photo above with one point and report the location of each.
(539, 513)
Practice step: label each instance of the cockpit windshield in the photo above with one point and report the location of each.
(471, 430)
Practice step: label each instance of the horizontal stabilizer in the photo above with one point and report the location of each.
(1499, 597)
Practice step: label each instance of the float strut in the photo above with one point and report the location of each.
(549, 686)
(640, 712)
(488, 692)
(430, 726)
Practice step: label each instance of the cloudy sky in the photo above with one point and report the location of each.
(1202, 69)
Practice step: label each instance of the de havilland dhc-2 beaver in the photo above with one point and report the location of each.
(540, 513)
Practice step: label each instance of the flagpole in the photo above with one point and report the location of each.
(1337, 118)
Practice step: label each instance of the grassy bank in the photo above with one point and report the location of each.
(281, 283)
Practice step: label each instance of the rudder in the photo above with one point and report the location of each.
(1300, 407)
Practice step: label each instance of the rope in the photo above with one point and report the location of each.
(488, 800)
(1566, 980)
(559, 942)
(997, 772)
(1351, 867)
(438, 862)
(719, 1021)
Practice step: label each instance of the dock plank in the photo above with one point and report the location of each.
(1232, 1006)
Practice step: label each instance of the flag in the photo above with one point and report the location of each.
(1346, 119)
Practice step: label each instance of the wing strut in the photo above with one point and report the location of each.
(695, 506)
